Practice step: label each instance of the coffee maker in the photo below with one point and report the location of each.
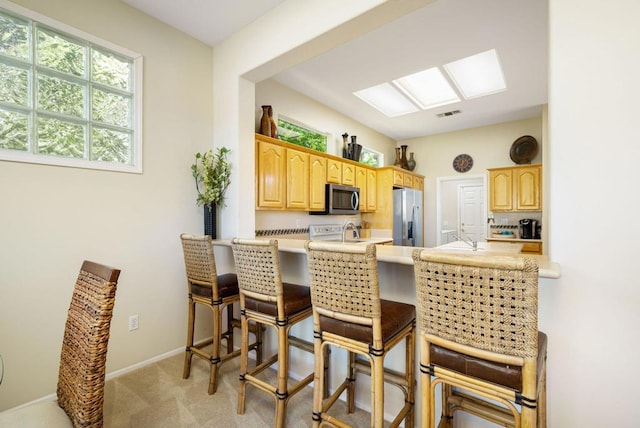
(528, 228)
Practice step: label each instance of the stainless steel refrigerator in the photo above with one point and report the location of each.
(408, 218)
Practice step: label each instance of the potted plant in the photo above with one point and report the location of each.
(212, 173)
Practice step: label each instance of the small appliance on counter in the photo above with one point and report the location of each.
(528, 228)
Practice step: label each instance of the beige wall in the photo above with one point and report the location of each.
(52, 218)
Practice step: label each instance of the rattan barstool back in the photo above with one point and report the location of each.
(348, 313)
(478, 332)
(266, 300)
(216, 292)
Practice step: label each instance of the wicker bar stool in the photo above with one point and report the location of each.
(265, 299)
(216, 292)
(348, 313)
(478, 324)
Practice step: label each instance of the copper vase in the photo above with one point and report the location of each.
(403, 158)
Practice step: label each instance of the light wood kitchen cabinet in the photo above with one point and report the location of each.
(290, 177)
(527, 247)
(372, 189)
(515, 188)
(418, 182)
(348, 174)
(366, 181)
(334, 171)
(317, 182)
(398, 178)
(271, 175)
(408, 181)
(297, 179)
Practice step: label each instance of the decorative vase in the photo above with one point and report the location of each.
(397, 162)
(265, 122)
(210, 214)
(403, 158)
(274, 126)
(345, 146)
(411, 163)
(354, 149)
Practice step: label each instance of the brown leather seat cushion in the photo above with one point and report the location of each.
(501, 374)
(395, 317)
(227, 286)
(296, 299)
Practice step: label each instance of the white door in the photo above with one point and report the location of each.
(472, 214)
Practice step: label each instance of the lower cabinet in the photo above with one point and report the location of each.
(527, 247)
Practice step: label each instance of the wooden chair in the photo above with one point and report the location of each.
(348, 313)
(216, 292)
(266, 300)
(478, 324)
(83, 357)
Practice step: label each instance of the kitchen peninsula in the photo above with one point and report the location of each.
(396, 278)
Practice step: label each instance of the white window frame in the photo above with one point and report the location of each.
(327, 135)
(137, 61)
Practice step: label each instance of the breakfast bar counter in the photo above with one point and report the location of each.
(402, 255)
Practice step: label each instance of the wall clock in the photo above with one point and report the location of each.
(462, 163)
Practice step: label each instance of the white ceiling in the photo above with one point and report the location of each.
(441, 32)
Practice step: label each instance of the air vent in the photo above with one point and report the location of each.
(448, 113)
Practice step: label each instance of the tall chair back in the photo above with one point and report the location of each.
(478, 325)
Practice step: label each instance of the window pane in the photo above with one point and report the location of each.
(111, 108)
(110, 70)
(13, 130)
(60, 96)
(59, 53)
(14, 40)
(60, 138)
(111, 146)
(14, 85)
(370, 157)
(301, 136)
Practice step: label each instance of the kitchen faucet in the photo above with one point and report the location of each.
(473, 244)
(346, 226)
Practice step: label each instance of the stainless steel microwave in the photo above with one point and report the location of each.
(340, 200)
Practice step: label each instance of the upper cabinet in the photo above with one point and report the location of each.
(271, 175)
(515, 188)
(290, 177)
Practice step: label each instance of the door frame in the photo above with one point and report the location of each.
(456, 178)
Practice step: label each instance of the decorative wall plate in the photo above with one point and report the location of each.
(524, 149)
(463, 163)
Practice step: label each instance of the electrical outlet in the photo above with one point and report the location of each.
(133, 322)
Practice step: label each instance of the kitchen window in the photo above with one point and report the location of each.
(301, 135)
(66, 97)
(371, 157)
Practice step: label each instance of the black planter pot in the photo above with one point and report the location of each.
(210, 214)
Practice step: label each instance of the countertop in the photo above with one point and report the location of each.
(402, 255)
(492, 238)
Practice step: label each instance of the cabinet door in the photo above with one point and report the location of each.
(361, 182)
(408, 180)
(271, 173)
(297, 179)
(527, 182)
(372, 190)
(398, 178)
(317, 180)
(501, 190)
(418, 183)
(334, 171)
(348, 174)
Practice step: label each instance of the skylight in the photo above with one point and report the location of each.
(477, 75)
(428, 88)
(387, 99)
(474, 76)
